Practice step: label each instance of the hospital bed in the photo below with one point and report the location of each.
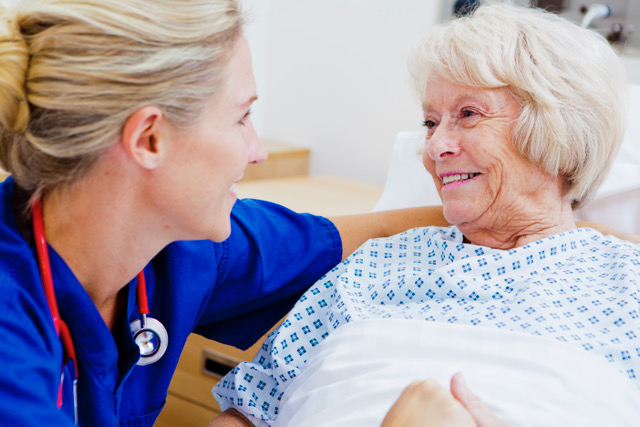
(407, 184)
(349, 371)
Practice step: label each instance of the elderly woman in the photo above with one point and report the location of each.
(524, 113)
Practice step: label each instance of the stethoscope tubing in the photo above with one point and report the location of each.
(141, 294)
(62, 331)
(147, 325)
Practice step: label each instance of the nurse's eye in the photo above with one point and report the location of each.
(245, 118)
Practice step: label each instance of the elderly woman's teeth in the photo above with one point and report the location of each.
(458, 177)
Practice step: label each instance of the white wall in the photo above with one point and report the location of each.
(257, 30)
(631, 64)
(332, 76)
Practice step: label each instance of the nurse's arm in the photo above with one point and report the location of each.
(357, 229)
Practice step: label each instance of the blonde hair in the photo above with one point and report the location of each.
(73, 71)
(568, 80)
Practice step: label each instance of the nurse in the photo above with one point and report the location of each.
(125, 124)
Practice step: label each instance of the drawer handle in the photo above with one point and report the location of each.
(217, 365)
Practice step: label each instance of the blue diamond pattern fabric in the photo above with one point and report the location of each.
(579, 287)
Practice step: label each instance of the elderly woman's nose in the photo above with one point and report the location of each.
(442, 144)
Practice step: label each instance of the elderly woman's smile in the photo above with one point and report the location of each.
(482, 180)
(452, 179)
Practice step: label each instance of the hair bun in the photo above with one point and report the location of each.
(14, 57)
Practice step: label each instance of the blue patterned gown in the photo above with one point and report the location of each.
(579, 287)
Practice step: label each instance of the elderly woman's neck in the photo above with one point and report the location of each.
(507, 233)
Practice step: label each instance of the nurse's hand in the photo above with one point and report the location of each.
(427, 404)
(481, 414)
(230, 418)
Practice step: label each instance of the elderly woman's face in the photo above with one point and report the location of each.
(481, 179)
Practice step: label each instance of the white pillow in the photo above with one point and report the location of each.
(617, 202)
(408, 183)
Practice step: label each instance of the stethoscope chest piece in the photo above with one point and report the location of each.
(151, 337)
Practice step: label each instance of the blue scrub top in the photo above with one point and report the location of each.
(232, 292)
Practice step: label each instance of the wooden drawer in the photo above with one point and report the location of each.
(190, 389)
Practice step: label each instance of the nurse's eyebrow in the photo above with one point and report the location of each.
(249, 102)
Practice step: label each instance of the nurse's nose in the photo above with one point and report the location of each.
(443, 143)
(256, 151)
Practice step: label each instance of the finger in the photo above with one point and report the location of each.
(479, 411)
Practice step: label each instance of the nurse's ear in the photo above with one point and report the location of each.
(142, 137)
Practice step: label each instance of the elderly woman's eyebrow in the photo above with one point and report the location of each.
(460, 99)
(476, 97)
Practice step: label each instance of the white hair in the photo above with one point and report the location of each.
(568, 80)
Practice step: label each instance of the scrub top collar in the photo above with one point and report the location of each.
(109, 361)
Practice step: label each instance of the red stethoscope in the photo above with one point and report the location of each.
(148, 333)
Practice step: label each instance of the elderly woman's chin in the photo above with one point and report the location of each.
(460, 214)
(453, 212)
(464, 209)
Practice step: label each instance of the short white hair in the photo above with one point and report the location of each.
(568, 80)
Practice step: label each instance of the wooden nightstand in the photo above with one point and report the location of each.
(283, 161)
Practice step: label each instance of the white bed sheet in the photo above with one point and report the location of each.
(353, 377)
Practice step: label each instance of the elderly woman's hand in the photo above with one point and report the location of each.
(427, 404)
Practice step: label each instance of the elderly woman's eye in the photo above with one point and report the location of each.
(429, 124)
(468, 113)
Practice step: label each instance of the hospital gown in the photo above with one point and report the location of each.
(578, 287)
